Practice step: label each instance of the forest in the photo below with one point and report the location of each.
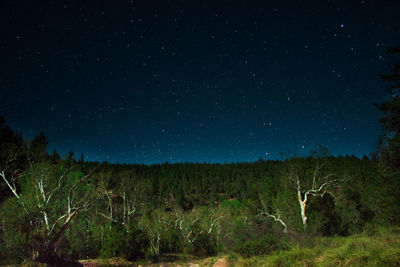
(58, 209)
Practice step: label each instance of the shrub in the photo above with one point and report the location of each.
(256, 246)
(129, 243)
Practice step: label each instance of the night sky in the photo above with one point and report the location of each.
(152, 81)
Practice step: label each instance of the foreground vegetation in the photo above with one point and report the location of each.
(374, 247)
(377, 248)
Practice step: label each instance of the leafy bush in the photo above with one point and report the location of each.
(113, 242)
(129, 243)
(256, 246)
(135, 244)
(18, 242)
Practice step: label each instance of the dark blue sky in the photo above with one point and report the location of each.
(215, 81)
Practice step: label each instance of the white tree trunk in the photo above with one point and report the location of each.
(302, 204)
(319, 186)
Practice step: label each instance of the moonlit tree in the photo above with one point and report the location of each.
(316, 183)
(51, 196)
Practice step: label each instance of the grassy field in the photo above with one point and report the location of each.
(380, 248)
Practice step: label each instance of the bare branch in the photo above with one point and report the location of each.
(277, 217)
(13, 189)
(321, 184)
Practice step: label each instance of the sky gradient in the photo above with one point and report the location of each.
(196, 81)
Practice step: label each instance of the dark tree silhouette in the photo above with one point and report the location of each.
(390, 148)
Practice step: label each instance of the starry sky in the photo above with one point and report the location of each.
(150, 81)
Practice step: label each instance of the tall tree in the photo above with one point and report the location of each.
(50, 196)
(308, 178)
(390, 148)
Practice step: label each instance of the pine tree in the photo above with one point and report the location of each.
(390, 148)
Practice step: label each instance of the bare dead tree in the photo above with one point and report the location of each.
(318, 185)
(154, 228)
(106, 195)
(128, 191)
(185, 224)
(214, 222)
(191, 224)
(131, 192)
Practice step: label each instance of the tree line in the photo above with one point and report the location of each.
(53, 207)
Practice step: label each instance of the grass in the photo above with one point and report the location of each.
(381, 248)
